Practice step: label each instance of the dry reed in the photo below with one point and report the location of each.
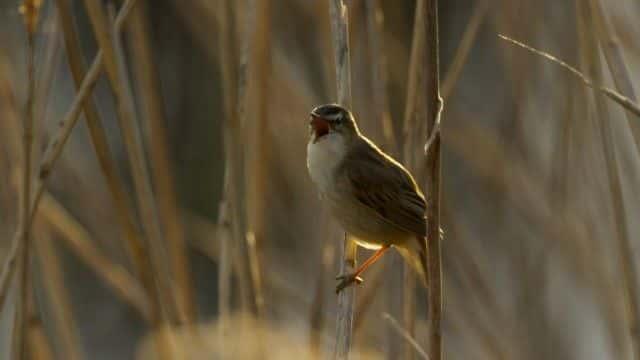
(624, 101)
(165, 307)
(536, 177)
(149, 93)
(433, 178)
(60, 306)
(346, 297)
(620, 232)
(132, 243)
(30, 10)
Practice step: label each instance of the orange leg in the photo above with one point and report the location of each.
(354, 276)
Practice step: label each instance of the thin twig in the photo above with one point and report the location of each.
(346, 297)
(394, 324)
(55, 149)
(622, 100)
(68, 122)
(124, 211)
(166, 309)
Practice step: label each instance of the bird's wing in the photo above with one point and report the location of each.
(384, 186)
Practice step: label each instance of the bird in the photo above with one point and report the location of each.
(372, 196)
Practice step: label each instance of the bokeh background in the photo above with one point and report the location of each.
(219, 225)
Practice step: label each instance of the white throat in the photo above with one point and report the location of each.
(323, 157)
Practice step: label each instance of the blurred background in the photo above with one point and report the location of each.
(178, 220)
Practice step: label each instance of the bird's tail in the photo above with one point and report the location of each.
(415, 254)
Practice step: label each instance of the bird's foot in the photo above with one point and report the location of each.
(347, 280)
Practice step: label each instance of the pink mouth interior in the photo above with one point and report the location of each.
(320, 126)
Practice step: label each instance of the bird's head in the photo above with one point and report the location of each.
(332, 119)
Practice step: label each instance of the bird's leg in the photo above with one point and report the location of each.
(348, 279)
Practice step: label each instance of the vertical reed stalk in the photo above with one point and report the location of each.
(54, 150)
(415, 70)
(253, 27)
(39, 343)
(317, 318)
(234, 90)
(30, 11)
(52, 276)
(51, 36)
(40, 346)
(620, 231)
(126, 216)
(228, 214)
(378, 61)
(224, 238)
(432, 186)
(346, 297)
(8, 268)
(154, 119)
(156, 273)
(115, 69)
(610, 46)
(401, 281)
(261, 138)
(408, 309)
(464, 48)
(410, 125)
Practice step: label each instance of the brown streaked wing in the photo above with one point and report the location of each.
(383, 185)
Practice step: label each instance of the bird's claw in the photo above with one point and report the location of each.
(347, 280)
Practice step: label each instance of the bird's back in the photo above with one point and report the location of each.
(382, 186)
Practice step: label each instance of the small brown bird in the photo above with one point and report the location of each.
(371, 195)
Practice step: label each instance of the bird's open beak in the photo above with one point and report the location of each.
(320, 127)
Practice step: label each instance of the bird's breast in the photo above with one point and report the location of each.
(323, 158)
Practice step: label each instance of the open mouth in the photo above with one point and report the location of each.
(320, 126)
